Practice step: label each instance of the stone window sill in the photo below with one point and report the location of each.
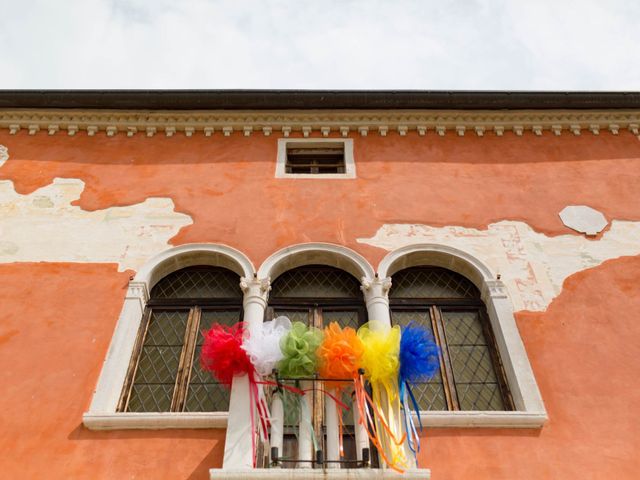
(154, 421)
(125, 421)
(317, 474)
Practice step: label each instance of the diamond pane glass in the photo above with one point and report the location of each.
(429, 395)
(198, 282)
(344, 318)
(150, 398)
(294, 315)
(204, 393)
(208, 397)
(313, 282)
(474, 371)
(484, 396)
(158, 364)
(463, 327)
(431, 282)
(167, 327)
(157, 370)
(223, 317)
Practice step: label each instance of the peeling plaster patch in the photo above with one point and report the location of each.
(583, 219)
(4, 154)
(44, 227)
(532, 265)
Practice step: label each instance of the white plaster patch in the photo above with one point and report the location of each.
(532, 265)
(4, 154)
(583, 219)
(43, 226)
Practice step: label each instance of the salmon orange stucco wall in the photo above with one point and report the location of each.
(227, 185)
(584, 350)
(57, 318)
(56, 322)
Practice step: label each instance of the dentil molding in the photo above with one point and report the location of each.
(458, 123)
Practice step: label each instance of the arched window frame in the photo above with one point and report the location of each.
(529, 408)
(103, 414)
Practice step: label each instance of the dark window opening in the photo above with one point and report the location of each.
(321, 158)
(471, 375)
(164, 373)
(318, 295)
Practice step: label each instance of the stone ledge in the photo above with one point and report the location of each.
(153, 421)
(317, 474)
(484, 419)
(157, 421)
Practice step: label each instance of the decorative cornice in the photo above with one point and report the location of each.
(480, 123)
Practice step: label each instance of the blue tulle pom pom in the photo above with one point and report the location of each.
(419, 354)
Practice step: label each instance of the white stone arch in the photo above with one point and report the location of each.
(316, 253)
(102, 412)
(530, 410)
(192, 254)
(434, 255)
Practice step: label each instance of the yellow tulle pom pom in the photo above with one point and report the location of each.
(381, 356)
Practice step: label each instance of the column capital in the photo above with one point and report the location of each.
(376, 297)
(376, 287)
(255, 289)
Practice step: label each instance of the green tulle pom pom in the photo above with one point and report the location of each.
(299, 349)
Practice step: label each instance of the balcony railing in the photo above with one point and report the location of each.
(315, 424)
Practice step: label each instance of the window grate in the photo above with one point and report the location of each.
(312, 159)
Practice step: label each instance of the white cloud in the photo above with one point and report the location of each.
(310, 44)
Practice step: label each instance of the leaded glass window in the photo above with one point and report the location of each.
(449, 305)
(164, 374)
(318, 295)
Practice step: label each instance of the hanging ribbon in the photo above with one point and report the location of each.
(299, 360)
(222, 355)
(339, 357)
(380, 361)
(419, 361)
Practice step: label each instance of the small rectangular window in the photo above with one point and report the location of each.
(319, 158)
(315, 158)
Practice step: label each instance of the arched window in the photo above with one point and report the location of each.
(164, 374)
(318, 295)
(471, 376)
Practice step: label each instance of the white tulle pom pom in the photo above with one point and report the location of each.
(263, 347)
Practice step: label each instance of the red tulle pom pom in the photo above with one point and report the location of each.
(222, 353)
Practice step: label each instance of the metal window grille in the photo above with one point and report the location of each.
(315, 159)
(164, 374)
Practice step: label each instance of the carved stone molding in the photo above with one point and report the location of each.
(4, 154)
(376, 286)
(255, 289)
(494, 289)
(322, 123)
(138, 290)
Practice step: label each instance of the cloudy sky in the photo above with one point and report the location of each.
(321, 44)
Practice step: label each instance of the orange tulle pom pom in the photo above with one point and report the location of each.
(339, 353)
